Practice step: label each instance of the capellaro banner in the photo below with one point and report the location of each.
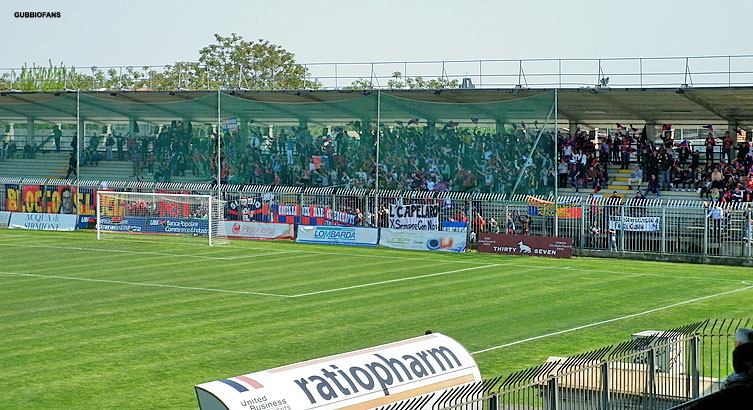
(549, 246)
(420, 217)
(337, 235)
(42, 222)
(258, 230)
(4, 219)
(422, 240)
(635, 224)
(425, 367)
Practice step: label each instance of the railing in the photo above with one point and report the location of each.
(628, 72)
(657, 228)
(654, 371)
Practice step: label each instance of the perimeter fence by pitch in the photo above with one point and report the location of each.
(610, 225)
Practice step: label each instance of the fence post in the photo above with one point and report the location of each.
(582, 225)
(493, 401)
(553, 396)
(605, 385)
(651, 382)
(663, 248)
(749, 234)
(694, 362)
(705, 235)
(622, 227)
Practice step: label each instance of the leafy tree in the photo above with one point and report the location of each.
(234, 63)
(414, 83)
(230, 63)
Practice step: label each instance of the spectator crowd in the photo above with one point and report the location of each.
(723, 174)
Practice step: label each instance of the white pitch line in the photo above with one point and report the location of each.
(612, 320)
(656, 275)
(159, 285)
(75, 248)
(392, 281)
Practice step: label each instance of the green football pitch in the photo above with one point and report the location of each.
(135, 322)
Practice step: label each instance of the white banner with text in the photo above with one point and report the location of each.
(258, 230)
(422, 240)
(42, 222)
(419, 217)
(337, 235)
(4, 219)
(635, 224)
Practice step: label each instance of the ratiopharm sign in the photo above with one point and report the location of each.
(423, 367)
(337, 235)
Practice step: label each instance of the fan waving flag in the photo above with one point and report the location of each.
(666, 127)
(413, 121)
(474, 120)
(709, 127)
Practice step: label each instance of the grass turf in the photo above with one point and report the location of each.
(135, 322)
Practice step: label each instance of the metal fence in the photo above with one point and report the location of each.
(653, 371)
(610, 225)
(625, 72)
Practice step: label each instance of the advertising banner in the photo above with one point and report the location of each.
(422, 240)
(4, 219)
(122, 224)
(549, 246)
(87, 222)
(258, 230)
(423, 217)
(337, 235)
(158, 226)
(42, 222)
(424, 367)
(635, 224)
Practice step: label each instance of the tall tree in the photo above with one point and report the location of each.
(235, 63)
(230, 63)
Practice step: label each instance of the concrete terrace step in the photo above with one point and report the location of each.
(630, 193)
(55, 166)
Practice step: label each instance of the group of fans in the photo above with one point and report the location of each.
(664, 164)
(434, 157)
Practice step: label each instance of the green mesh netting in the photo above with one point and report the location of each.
(465, 140)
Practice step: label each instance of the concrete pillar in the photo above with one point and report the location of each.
(11, 132)
(573, 125)
(500, 126)
(243, 133)
(302, 123)
(652, 130)
(29, 130)
(80, 133)
(132, 126)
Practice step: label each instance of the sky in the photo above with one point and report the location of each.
(140, 32)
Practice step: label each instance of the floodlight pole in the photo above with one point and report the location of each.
(219, 147)
(78, 147)
(378, 125)
(376, 165)
(556, 165)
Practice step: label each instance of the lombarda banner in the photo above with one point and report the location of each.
(363, 379)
